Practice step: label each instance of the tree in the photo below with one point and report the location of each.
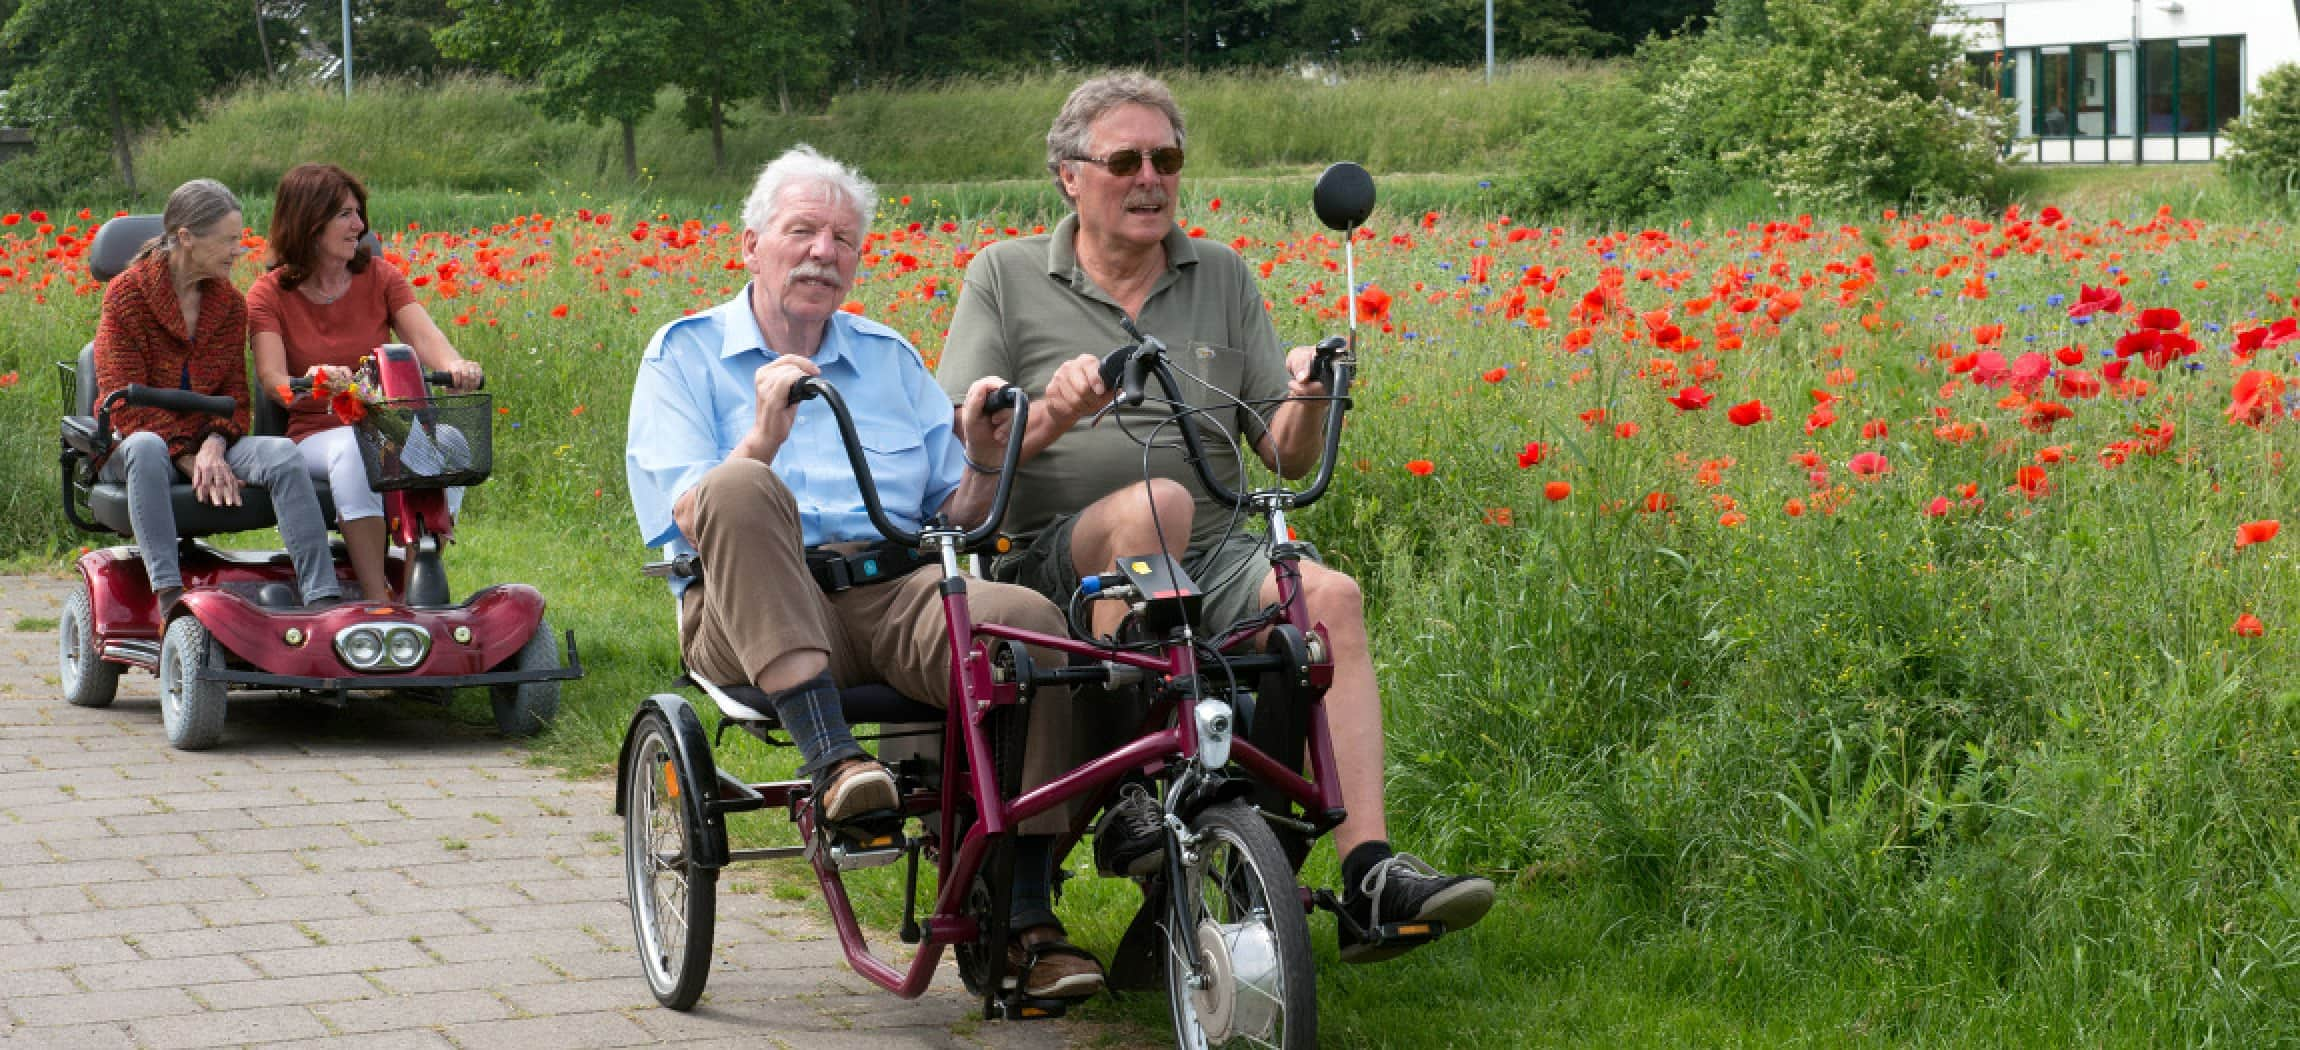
(387, 36)
(124, 66)
(759, 46)
(593, 59)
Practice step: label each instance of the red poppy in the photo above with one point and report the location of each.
(2249, 626)
(1795, 508)
(1869, 465)
(1748, 413)
(1938, 508)
(2256, 399)
(2252, 532)
(2160, 318)
(1534, 453)
(1656, 502)
(1692, 399)
(1496, 375)
(348, 407)
(2032, 482)
(2090, 300)
(2070, 355)
(1555, 491)
(1500, 516)
(1420, 468)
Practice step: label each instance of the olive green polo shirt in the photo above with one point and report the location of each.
(1027, 307)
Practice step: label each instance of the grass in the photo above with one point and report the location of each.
(1852, 775)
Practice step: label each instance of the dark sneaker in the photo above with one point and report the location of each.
(1053, 968)
(1402, 889)
(1131, 840)
(857, 788)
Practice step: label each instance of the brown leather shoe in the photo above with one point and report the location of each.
(857, 787)
(1051, 967)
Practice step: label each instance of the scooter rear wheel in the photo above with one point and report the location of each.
(88, 680)
(191, 707)
(674, 900)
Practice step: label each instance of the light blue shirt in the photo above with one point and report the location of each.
(694, 401)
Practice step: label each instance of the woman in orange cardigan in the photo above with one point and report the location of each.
(174, 321)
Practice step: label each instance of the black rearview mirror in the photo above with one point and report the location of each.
(1344, 196)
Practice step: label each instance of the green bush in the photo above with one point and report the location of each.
(1826, 102)
(64, 167)
(2264, 146)
(1595, 155)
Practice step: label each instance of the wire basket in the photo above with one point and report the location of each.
(441, 442)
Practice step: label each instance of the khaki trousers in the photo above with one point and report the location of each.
(760, 604)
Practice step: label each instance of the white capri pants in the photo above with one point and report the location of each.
(333, 454)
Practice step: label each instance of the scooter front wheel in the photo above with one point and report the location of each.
(522, 709)
(191, 706)
(674, 900)
(88, 680)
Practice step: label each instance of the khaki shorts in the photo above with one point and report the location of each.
(1230, 573)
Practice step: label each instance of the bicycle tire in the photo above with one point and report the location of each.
(1239, 913)
(674, 900)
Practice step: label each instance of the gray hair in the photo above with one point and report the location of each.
(1066, 140)
(801, 167)
(195, 205)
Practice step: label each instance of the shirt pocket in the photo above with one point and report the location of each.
(896, 452)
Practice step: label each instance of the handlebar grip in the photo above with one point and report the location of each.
(806, 389)
(448, 379)
(1130, 382)
(178, 400)
(1003, 398)
(300, 384)
(1322, 364)
(1114, 366)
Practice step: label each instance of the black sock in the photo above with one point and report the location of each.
(1362, 860)
(1033, 902)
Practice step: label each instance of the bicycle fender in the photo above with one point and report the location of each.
(699, 778)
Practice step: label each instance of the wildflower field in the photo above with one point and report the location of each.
(1868, 629)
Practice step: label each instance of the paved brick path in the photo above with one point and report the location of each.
(375, 878)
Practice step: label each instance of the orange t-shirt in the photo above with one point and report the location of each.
(338, 333)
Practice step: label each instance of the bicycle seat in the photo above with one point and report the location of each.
(875, 703)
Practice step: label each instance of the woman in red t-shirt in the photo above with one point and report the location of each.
(324, 304)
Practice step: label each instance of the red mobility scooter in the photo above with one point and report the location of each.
(239, 624)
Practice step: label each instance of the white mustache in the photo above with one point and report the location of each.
(813, 272)
(1146, 199)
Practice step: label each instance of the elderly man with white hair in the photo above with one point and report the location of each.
(720, 462)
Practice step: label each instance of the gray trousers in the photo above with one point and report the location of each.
(141, 462)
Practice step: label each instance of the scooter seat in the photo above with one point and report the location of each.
(108, 505)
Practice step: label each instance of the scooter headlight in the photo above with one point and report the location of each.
(404, 647)
(361, 647)
(383, 646)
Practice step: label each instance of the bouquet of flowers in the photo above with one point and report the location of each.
(399, 439)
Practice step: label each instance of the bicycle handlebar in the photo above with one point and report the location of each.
(1331, 366)
(1009, 395)
(302, 384)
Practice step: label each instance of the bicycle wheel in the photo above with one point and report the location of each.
(674, 901)
(1239, 918)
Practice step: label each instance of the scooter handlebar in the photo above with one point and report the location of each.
(176, 400)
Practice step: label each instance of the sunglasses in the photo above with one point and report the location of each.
(1125, 163)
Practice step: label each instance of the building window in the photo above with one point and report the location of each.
(2193, 86)
(2075, 91)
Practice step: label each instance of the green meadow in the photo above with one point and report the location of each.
(1763, 750)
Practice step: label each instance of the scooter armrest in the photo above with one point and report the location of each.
(80, 433)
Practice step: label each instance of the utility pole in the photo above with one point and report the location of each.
(1489, 41)
(347, 49)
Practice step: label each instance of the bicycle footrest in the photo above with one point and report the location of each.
(869, 841)
(1026, 1008)
(1398, 935)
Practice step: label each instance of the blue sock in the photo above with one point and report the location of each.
(1033, 903)
(810, 713)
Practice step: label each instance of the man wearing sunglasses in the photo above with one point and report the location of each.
(1040, 309)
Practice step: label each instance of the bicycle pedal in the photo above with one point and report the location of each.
(870, 841)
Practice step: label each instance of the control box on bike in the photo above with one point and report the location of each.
(1169, 597)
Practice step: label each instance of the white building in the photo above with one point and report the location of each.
(2083, 97)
